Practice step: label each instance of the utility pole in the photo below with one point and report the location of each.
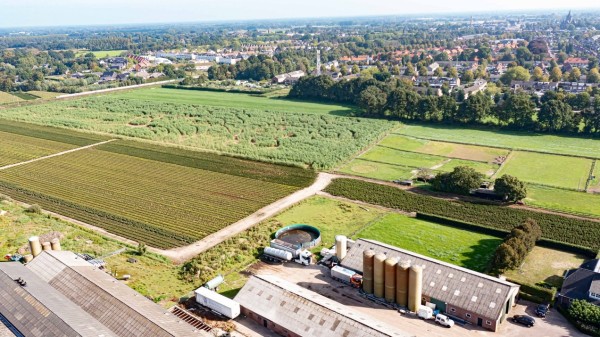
(318, 62)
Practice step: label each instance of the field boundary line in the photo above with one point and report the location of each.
(508, 157)
(590, 176)
(55, 154)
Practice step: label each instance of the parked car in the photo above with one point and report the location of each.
(542, 309)
(524, 319)
(444, 320)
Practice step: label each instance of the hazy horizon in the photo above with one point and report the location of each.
(35, 13)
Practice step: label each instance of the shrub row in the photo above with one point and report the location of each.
(231, 90)
(584, 234)
(536, 293)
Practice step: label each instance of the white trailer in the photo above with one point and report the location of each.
(217, 302)
(342, 274)
(278, 254)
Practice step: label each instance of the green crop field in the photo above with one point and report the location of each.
(546, 169)
(460, 247)
(25, 96)
(564, 200)
(259, 128)
(576, 146)
(16, 148)
(162, 204)
(101, 53)
(8, 98)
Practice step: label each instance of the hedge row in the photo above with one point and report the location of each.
(536, 293)
(558, 231)
(233, 91)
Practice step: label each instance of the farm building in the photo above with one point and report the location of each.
(581, 284)
(61, 294)
(291, 310)
(461, 293)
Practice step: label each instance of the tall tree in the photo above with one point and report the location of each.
(511, 188)
(556, 115)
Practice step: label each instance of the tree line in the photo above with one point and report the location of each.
(389, 97)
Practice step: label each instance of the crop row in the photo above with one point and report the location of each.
(50, 133)
(574, 231)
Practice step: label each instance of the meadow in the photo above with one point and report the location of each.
(101, 53)
(561, 200)
(546, 169)
(460, 247)
(377, 170)
(16, 148)
(8, 98)
(258, 128)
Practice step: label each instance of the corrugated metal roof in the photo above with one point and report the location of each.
(124, 311)
(37, 309)
(464, 288)
(307, 313)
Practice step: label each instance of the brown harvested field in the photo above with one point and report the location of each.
(545, 265)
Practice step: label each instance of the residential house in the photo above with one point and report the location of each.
(478, 86)
(108, 76)
(581, 284)
(288, 78)
(575, 62)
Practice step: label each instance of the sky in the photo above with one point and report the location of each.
(26, 13)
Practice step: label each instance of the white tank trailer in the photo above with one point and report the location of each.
(278, 253)
(217, 302)
(214, 283)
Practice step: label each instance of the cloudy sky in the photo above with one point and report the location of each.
(19, 13)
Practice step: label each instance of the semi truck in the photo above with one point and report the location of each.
(217, 302)
(347, 276)
(279, 255)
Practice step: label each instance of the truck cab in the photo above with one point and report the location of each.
(444, 320)
(304, 258)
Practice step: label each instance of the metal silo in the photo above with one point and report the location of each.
(390, 279)
(368, 259)
(46, 246)
(340, 246)
(55, 244)
(402, 283)
(379, 275)
(415, 287)
(35, 246)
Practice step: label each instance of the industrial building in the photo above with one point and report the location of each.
(293, 311)
(409, 279)
(60, 294)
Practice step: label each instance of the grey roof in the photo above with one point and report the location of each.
(306, 313)
(467, 289)
(37, 309)
(118, 307)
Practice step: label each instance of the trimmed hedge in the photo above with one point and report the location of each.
(535, 293)
(576, 235)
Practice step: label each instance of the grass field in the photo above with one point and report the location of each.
(545, 169)
(16, 148)
(152, 275)
(44, 94)
(545, 265)
(595, 182)
(25, 96)
(459, 247)
(373, 170)
(585, 147)
(259, 128)
(564, 200)
(8, 98)
(101, 53)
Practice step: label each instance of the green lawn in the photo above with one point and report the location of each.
(396, 157)
(513, 140)
(233, 100)
(373, 170)
(487, 169)
(101, 53)
(546, 169)
(8, 98)
(595, 183)
(456, 246)
(564, 200)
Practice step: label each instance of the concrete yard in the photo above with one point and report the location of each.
(317, 279)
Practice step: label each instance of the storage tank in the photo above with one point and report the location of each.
(35, 246)
(55, 244)
(415, 287)
(402, 283)
(368, 259)
(390, 279)
(214, 283)
(27, 258)
(46, 246)
(379, 275)
(217, 302)
(278, 253)
(340, 247)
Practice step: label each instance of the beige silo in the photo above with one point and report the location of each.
(340, 247)
(35, 246)
(46, 246)
(55, 244)
(27, 258)
(367, 280)
(379, 275)
(402, 283)
(415, 287)
(390, 279)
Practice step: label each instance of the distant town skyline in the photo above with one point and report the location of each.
(29, 13)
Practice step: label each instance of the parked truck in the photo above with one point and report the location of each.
(217, 302)
(279, 255)
(347, 276)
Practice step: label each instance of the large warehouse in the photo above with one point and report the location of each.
(61, 294)
(291, 310)
(477, 298)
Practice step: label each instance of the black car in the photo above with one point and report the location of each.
(524, 319)
(542, 310)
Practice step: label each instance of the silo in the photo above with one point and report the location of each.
(415, 287)
(368, 258)
(379, 275)
(46, 246)
(27, 258)
(55, 244)
(390, 279)
(402, 283)
(340, 247)
(35, 246)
